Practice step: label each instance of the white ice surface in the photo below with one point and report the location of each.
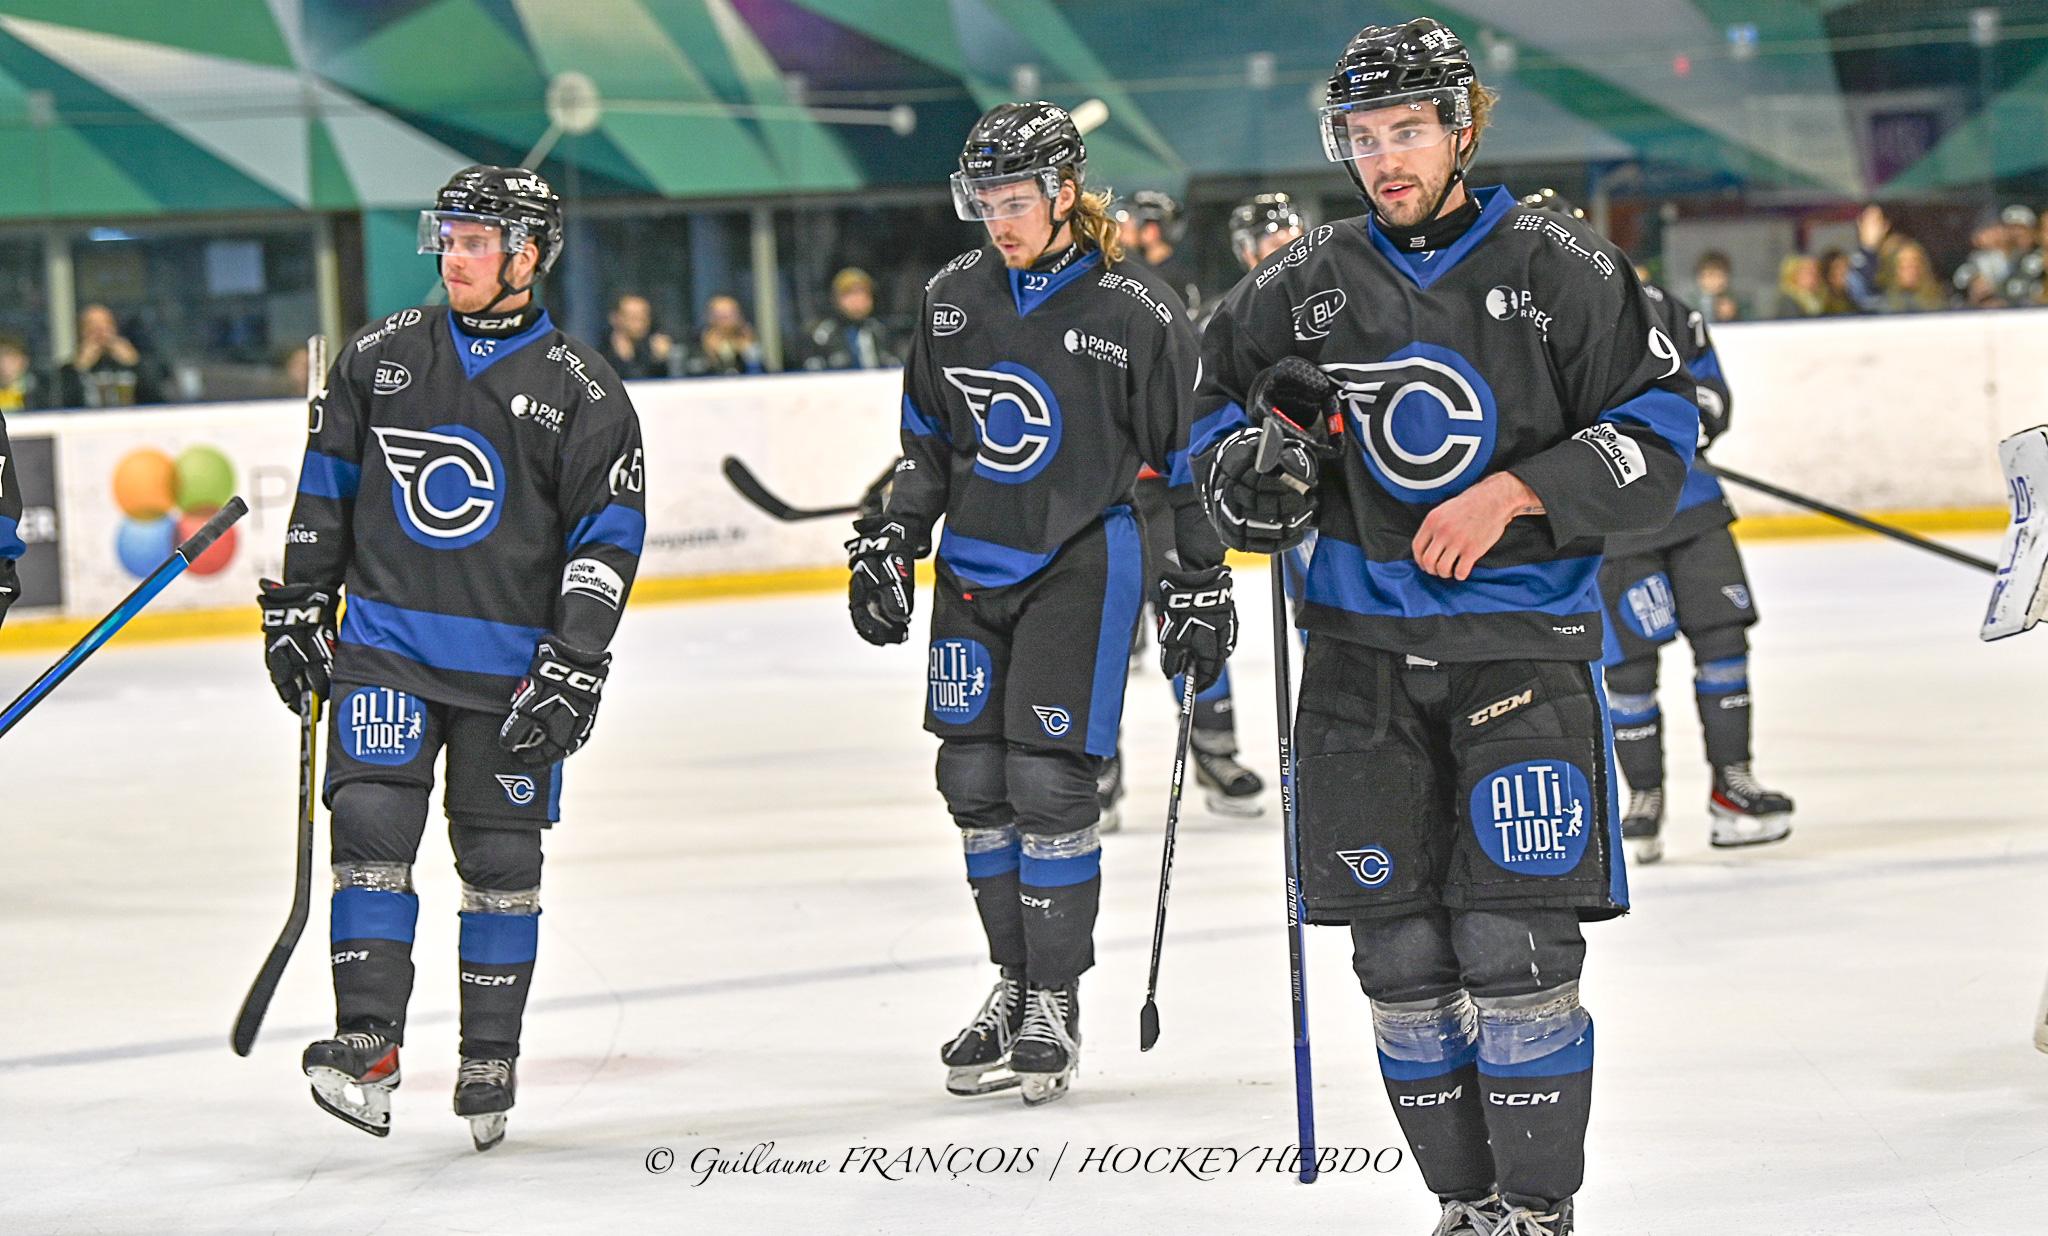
(757, 929)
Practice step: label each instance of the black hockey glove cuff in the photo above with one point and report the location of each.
(883, 590)
(1261, 511)
(1197, 623)
(555, 707)
(298, 638)
(1300, 396)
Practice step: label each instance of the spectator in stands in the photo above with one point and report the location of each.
(727, 345)
(1801, 291)
(1834, 275)
(1890, 272)
(21, 389)
(2003, 268)
(107, 370)
(634, 347)
(1711, 279)
(850, 337)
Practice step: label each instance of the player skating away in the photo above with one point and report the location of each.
(1685, 577)
(473, 485)
(1505, 398)
(1046, 368)
(12, 546)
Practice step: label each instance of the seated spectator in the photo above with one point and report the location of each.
(1890, 272)
(727, 345)
(1834, 276)
(1997, 273)
(21, 388)
(1801, 292)
(1711, 279)
(634, 347)
(850, 338)
(107, 371)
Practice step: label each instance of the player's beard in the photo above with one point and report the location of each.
(1425, 193)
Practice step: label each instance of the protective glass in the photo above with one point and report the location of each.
(1399, 123)
(1005, 196)
(468, 235)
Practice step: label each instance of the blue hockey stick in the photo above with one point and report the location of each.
(173, 566)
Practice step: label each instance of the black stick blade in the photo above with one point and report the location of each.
(1148, 1025)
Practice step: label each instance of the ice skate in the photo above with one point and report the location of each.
(1744, 812)
(1048, 1048)
(353, 1076)
(1228, 787)
(1522, 1221)
(484, 1091)
(1473, 1218)
(978, 1058)
(1642, 827)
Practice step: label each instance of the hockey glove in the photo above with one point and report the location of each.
(883, 589)
(10, 586)
(298, 638)
(556, 704)
(1197, 623)
(1261, 512)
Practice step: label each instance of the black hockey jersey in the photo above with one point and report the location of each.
(1701, 504)
(472, 494)
(1525, 346)
(1029, 400)
(11, 544)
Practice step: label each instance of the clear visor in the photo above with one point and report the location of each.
(467, 235)
(1005, 196)
(1398, 123)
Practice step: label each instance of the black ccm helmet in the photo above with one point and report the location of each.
(1152, 206)
(1260, 216)
(1012, 144)
(514, 200)
(1420, 65)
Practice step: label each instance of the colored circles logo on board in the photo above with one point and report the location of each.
(166, 499)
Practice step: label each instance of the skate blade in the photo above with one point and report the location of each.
(1247, 807)
(366, 1107)
(487, 1130)
(1767, 829)
(974, 1079)
(1042, 1088)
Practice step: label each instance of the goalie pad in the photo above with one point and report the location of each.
(2017, 598)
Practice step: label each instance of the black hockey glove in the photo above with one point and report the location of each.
(298, 638)
(1261, 488)
(556, 704)
(884, 588)
(10, 586)
(1197, 623)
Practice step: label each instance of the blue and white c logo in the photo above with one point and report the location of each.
(447, 483)
(1371, 866)
(1016, 417)
(1424, 418)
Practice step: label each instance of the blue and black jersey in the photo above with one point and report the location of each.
(1029, 401)
(1701, 504)
(471, 490)
(1526, 346)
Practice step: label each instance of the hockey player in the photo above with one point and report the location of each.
(1262, 225)
(1475, 396)
(473, 483)
(1045, 369)
(11, 544)
(1686, 576)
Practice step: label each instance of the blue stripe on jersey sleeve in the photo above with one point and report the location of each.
(329, 476)
(1707, 365)
(986, 564)
(1204, 434)
(11, 544)
(440, 641)
(1670, 416)
(1342, 577)
(1699, 487)
(614, 525)
(917, 424)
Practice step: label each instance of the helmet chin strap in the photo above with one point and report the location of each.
(1058, 224)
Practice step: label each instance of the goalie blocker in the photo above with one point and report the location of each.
(2018, 600)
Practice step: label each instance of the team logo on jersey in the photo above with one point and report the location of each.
(382, 726)
(1531, 818)
(1649, 608)
(947, 320)
(1737, 594)
(447, 484)
(1371, 867)
(1016, 418)
(1055, 720)
(1424, 418)
(958, 675)
(1313, 316)
(390, 378)
(519, 790)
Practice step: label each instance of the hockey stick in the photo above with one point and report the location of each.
(254, 1005)
(1283, 716)
(754, 491)
(1148, 1017)
(1851, 518)
(131, 605)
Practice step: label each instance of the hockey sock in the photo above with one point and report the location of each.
(1059, 889)
(500, 936)
(1722, 688)
(992, 860)
(371, 926)
(1428, 1049)
(1638, 737)
(1536, 1072)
